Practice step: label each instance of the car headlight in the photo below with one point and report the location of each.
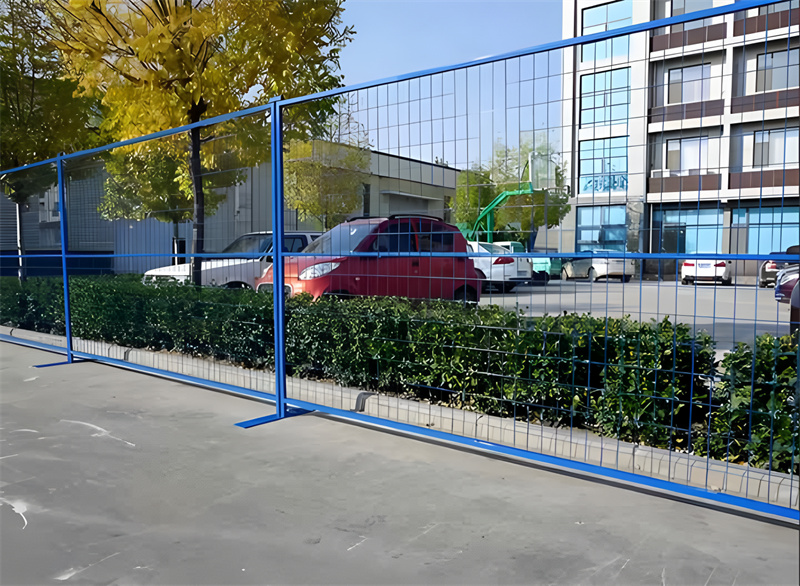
(317, 271)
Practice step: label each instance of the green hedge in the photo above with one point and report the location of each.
(653, 383)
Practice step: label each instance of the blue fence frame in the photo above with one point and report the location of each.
(283, 404)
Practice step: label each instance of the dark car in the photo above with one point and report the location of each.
(769, 269)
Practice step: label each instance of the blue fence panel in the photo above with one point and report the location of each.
(583, 252)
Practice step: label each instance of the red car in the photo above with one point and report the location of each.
(409, 256)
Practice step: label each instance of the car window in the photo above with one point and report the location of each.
(250, 243)
(342, 239)
(493, 248)
(435, 237)
(398, 237)
(294, 243)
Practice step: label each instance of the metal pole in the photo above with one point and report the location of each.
(62, 209)
(278, 300)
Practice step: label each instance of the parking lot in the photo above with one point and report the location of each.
(730, 314)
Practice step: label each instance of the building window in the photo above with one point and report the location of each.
(687, 156)
(778, 70)
(606, 17)
(605, 97)
(779, 7)
(690, 231)
(603, 165)
(689, 84)
(601, 228)
(680, 7)
(776, 147)
(770, 229)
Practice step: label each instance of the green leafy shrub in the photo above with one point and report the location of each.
(758, 406)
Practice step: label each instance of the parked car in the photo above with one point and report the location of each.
(397, 261)
(785, 281)
(787, 290)
(768, 271)
(538, 268)
(233, 272)
(596, 267)
(555, 263)
(500, 271)
(695, 270)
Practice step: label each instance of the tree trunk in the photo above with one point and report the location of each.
(176, 245)
(20, 246)
(198, 230)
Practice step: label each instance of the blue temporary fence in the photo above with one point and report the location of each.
(653, 152)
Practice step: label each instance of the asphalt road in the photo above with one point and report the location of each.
(116, 478)
(729, 314)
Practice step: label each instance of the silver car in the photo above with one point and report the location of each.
(596, 267)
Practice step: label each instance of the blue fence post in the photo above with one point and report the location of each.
(277, 256)
(62, 212)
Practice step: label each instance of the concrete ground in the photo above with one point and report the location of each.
(112, 477)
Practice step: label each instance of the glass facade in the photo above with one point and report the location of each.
(605, 97)
(769, 229)
(602, 18)
(689, 231)
(601, 228)
(603, 165)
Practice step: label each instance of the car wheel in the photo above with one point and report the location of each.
(237, 285)
(508, 287)
(727, 282)
(592, 275)
(564, 275)
(626, 278)
(685, 281)
(466, 295)
(762, 284)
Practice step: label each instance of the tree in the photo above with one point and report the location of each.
(164, 63)
(324, 175)
(38, 115)
(521, 215)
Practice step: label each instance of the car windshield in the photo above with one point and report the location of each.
(342, 239)
(250, 243)
(493, 248)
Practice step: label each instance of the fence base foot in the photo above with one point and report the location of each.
(75, 361)
(290, 412)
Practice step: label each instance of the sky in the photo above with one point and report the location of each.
(394, 37)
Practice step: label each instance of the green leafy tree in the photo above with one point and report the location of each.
(164, 63)
(38, 113)
(522, 215)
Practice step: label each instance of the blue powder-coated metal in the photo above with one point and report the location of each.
(62, 206)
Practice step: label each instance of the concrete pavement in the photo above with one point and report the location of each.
(729, 314)
(112, 477)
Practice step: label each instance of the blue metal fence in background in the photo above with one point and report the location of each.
(582, 254)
